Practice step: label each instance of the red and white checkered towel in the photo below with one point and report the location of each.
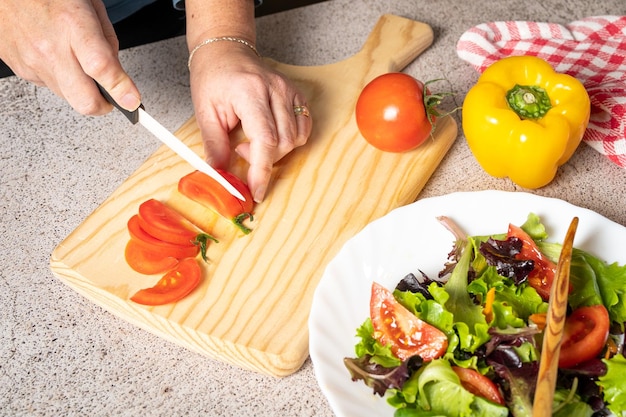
(593, 50)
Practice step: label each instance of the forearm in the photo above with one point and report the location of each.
(231, 86)
(214, 18)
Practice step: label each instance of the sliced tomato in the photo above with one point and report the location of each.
(203, 189)
(479, 384)
(542, 275)
(584, 336)
(165, 249)
(397, 327)
(166, 224)
(146, 261)
(173, 286)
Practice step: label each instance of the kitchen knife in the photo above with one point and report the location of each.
(142, 117)
(553, 333)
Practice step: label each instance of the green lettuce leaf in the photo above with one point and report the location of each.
(513, 303)
(430, 311)
(612, 283)
(569, 406)
(594, 281)
(412, 412)
(468, 317)
(613, 384)
(429, 392)
(535, 228)
(379, 353)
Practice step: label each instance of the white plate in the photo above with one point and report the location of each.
(410, 238)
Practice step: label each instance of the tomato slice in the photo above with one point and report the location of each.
(166, 249)
(542, 275)
(165, 223)
(146, 261)
(406, 334)
(584, 336)
(479, 384)
(173, 286)
(203, 189)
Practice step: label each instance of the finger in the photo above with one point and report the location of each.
(96, 53)
(271, 142)
(107, 27)
(65, 77)
(287, 142)
(260, 171)
(293, 125)
(215, 139)
(304, 121)
(261, 150)
(80, 91)
(286, 128)
(243, 150)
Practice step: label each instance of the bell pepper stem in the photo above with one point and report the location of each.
(528, 101)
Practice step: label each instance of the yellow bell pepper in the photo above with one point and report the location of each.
(523, 120)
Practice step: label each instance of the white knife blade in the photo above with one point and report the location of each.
(175, 144)
(184, 151)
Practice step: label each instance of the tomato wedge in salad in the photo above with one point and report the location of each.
(405, 333)
(584, 336)
(173, 286)
(166, 224)
(542, 275)
(479, 384)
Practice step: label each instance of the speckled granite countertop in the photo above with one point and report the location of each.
(62, 355)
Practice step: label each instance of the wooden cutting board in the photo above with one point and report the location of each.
(252, 306)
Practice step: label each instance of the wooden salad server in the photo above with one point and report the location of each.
(553, 334)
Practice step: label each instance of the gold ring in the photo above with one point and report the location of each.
(301, 111)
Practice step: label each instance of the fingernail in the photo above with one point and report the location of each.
(259, 194)
(130, 102)
(242, 153)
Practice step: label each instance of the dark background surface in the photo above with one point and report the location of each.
(159, 21)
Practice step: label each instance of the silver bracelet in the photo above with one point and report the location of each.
(221, 38)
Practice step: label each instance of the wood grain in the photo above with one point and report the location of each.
(252, 306)
(555, 323)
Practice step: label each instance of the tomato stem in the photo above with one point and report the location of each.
(238, 221)
(202, 240)
(432, 101)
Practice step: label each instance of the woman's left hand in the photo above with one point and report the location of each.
(231, 84)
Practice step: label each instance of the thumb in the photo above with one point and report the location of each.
(110, 75)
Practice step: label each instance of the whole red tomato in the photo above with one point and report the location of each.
(391, 113)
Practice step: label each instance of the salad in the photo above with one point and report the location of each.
(467, 342)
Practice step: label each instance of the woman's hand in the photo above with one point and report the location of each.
(64, 45)
(230, 84)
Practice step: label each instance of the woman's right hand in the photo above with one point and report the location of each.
(64, 45)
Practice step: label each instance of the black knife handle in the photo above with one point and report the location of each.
(133, 116)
